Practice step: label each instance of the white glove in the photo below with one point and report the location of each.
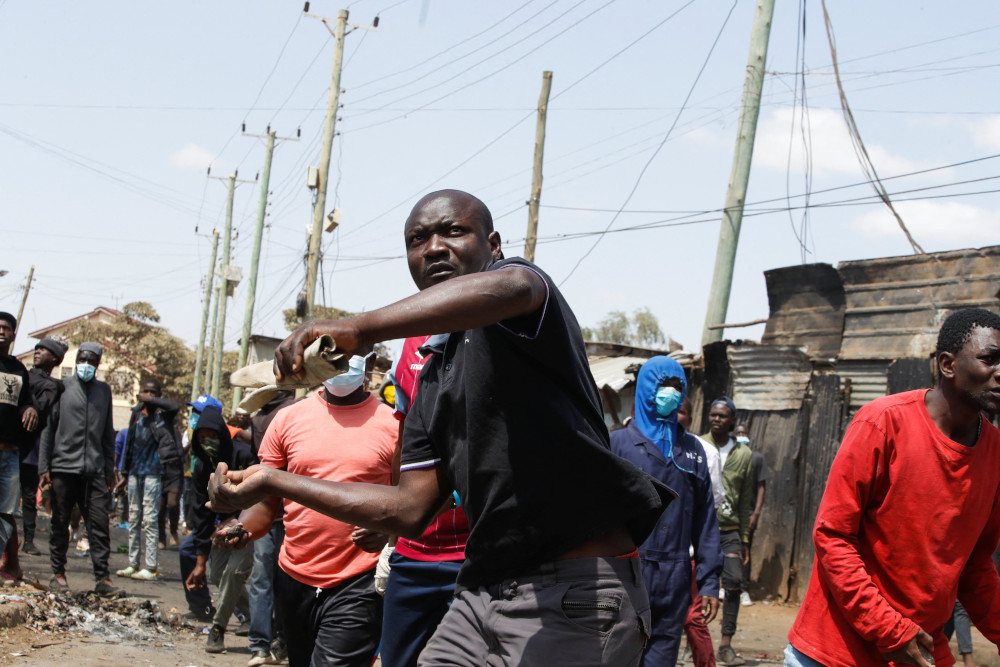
(382, 569)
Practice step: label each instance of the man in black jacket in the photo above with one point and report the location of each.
(46, 390)
(229, 569)
(150, 446)
(76, 456)
(17, 415)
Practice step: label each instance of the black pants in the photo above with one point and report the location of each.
(91, 495)
(334, 626)
(732, 577)
(29, 493)
(170, 509)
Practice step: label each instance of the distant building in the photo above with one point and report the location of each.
(124, 385)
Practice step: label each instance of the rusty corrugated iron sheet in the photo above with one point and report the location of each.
(895, 305)
(768, 377)
(806, 309)
(868, 380)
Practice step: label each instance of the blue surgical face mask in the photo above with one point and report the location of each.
(743, 440)
(85, 372)
(667, 401)
(349, 381)
(193, 420)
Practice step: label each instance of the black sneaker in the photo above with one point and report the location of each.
(30, 549)
(243, 630)
(106, 590)
(205, 615)
(215, 640)
(279, 650)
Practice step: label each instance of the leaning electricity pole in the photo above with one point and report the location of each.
(319, 207)
(732, 216)
(255, 256)
(24, 300)
(227, 276)
(200, 356)
(536, 176)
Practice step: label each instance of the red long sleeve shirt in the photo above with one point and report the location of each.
(909, 521)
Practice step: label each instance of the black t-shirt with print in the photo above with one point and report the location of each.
(15, 396)
(512, 414)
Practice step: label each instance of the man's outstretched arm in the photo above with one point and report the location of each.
(394, 510)
(465, 302)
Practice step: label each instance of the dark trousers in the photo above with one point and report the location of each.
(91, 495)
(732, 579)
(333, 626)
(170, 508)
(199, 600)
(29, 495)
(416, 599)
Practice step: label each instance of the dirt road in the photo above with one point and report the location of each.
(79, 630)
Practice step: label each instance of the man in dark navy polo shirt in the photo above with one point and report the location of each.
(507, 415)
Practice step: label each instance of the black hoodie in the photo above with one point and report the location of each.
(236, 455)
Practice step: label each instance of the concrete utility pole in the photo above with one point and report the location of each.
(223, 287)
(24, 300)
(200, 356)
(210, 361)
(319, 210)
(536, 176)
(732, 217)
(255, 259)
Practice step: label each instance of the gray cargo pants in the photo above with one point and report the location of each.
(583, 611)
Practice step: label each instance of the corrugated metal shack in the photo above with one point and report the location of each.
(835, 339)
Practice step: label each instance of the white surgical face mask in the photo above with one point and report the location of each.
(349, 381)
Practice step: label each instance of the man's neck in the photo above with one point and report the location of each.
(720, 440)
(355, 397)
(45, 369)
(955, 415)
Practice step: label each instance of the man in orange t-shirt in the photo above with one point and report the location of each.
(911, 517)
(324, 583)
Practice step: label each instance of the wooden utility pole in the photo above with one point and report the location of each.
(24, 300)
(536, 176)
(732, 216)
(255, 259)
(200, 356)
(319, 209)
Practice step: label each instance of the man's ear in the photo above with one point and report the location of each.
(946, 364)
(495, 244)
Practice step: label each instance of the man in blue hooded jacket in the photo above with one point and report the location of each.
(660, 447)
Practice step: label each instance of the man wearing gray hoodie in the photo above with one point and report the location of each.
(76, 457)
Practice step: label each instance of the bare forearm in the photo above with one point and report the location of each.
(466, 302)
(386, 509)
(257, 520)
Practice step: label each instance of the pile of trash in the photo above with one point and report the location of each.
(124, 619)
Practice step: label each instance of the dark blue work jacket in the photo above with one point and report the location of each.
(688, 521)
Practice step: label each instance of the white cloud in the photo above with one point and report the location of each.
(831, 148)
(191, 156)
(987, 131)
(932, 222)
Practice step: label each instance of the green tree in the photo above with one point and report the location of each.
(642, 329)
(140, 348)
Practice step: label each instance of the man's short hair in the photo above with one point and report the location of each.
(152, 381)
(958, 327)
(7, 317)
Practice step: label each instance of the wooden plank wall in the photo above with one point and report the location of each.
(824, 414)
(777, 435)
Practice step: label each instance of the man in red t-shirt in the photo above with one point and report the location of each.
(324, 583)
(422, 572)
(911, 516)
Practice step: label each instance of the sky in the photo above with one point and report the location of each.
(111, 114)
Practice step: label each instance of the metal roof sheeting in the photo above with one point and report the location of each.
(869, 380)
(896, 305)
(769, 377)
(806, 309)
(610, 371)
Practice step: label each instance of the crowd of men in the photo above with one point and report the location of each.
(485, 514)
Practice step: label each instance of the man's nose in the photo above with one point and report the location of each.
(435, 245)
